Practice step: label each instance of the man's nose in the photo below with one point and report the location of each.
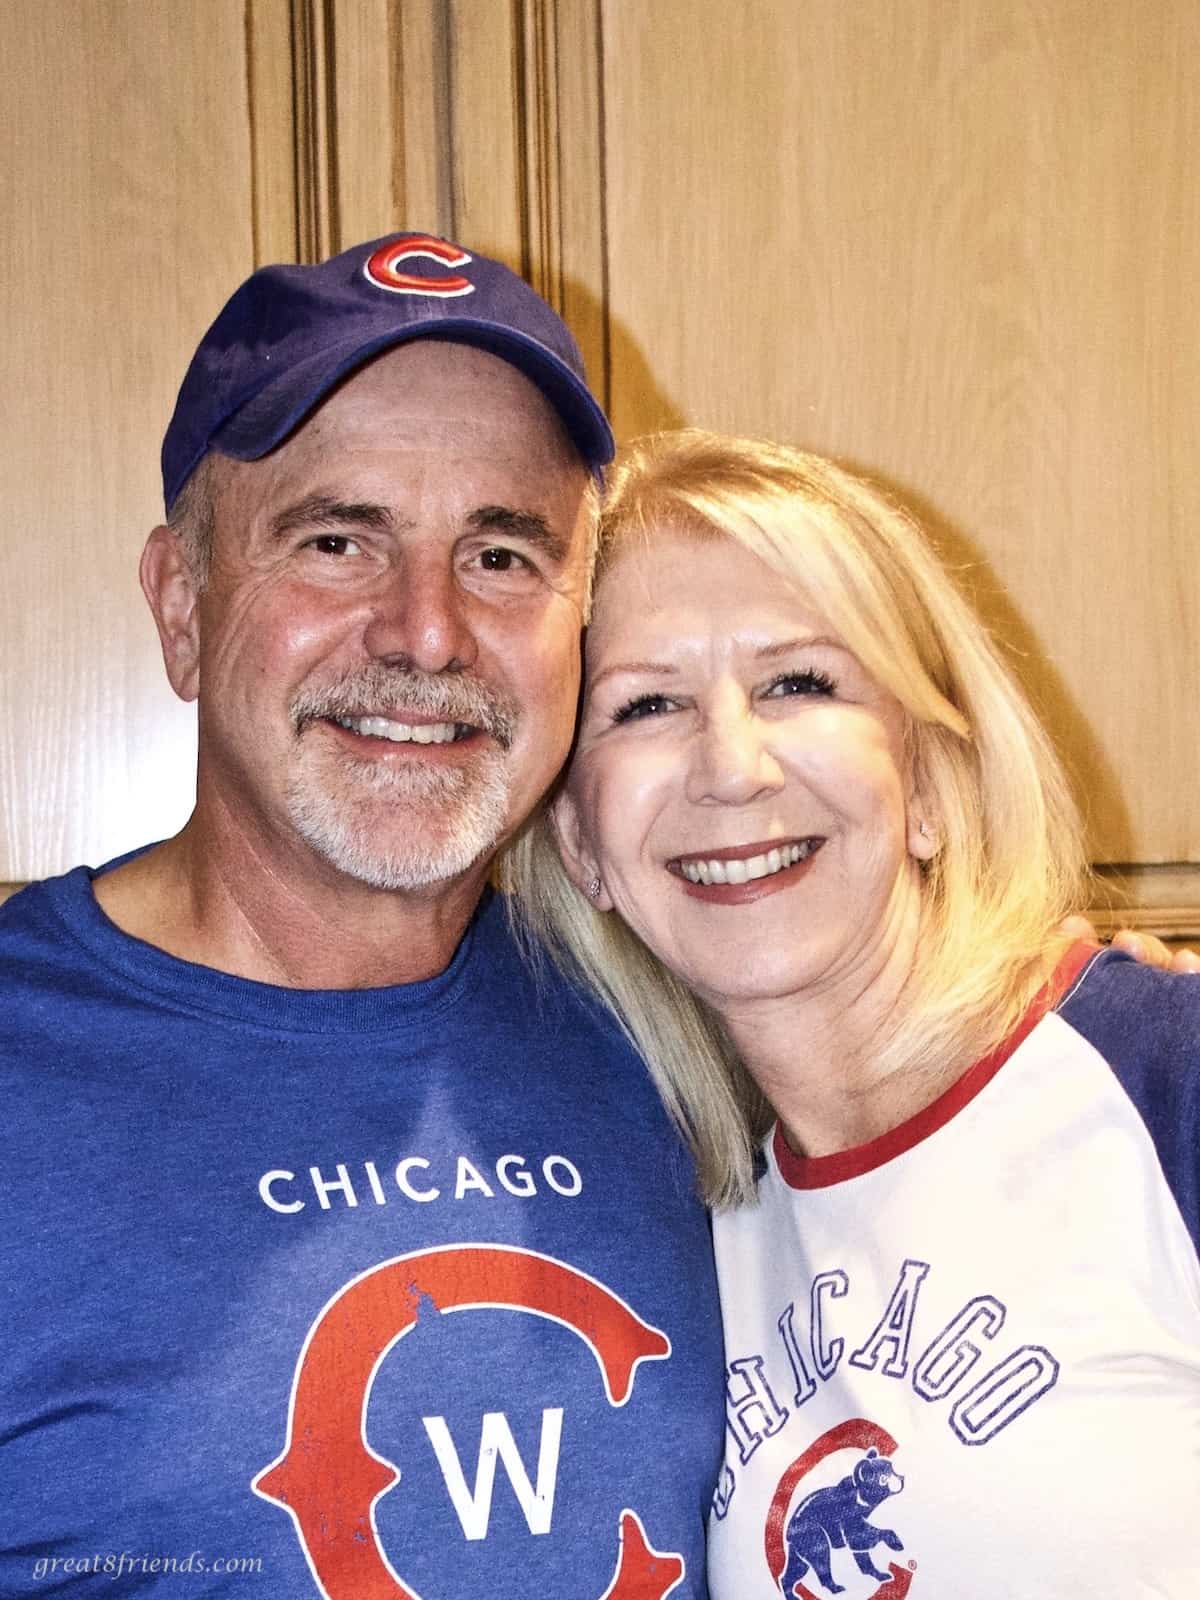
(734, 762)
(421, 619)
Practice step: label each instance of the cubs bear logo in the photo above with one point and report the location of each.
(382, 267)
(803, 1537)
(328, 1479)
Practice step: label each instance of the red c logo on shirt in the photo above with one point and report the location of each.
(381, 267)
(328, 1478)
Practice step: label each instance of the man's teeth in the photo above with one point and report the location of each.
(401, 732)
(763, 866)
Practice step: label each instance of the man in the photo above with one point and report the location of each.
(344, 1255)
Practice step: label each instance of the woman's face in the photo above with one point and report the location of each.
(740, 785)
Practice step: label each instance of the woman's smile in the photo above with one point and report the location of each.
(745, 872)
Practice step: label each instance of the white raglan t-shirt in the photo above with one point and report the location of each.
(963, 1361)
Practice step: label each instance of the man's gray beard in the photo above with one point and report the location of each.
(472, 807)
(466, 808)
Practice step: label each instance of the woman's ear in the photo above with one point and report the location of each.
(923, 839)
(171, 592)
(577, 859)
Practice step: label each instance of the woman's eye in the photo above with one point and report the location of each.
(335, 544)
(646, 705)
(810, 681)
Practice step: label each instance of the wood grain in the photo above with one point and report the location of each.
(484, 129)
(957, 246)
(270, 72)
(424, 154)
(314, 91)
(367, 134)
(127, 208)
(563, 137)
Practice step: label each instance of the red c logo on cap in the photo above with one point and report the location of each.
(380, 268)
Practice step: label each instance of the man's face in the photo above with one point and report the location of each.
(389, 639)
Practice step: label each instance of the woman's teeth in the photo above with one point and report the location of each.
(764, 866)
(401, 732)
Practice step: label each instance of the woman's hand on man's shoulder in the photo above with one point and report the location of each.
(1143, 947)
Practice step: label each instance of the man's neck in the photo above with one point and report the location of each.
(291, 921)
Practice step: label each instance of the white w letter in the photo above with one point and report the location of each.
(495, 1439)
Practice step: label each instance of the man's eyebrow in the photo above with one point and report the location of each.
(324, 511)
(528, 526)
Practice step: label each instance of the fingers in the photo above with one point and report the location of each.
(1143, 947)
(1152, 952)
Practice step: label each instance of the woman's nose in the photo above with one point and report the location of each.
(734, 762)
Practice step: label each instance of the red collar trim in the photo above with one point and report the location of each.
(820, 1172)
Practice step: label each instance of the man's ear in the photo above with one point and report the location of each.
(171, 592)
(577, 859)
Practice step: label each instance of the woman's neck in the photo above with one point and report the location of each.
(815, 1053)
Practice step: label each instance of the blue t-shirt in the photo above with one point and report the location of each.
(371, 1294)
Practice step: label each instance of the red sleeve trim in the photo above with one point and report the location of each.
(819, 1172)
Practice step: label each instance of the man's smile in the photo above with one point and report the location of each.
(378, 727)
(394, 706)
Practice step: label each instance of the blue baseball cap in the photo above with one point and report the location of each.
(289, 334)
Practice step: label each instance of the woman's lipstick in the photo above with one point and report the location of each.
(741, 873)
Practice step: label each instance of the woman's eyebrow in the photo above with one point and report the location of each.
(655, 669)
(666, 669)
(784, 647)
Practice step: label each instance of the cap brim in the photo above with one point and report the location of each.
(279, 407)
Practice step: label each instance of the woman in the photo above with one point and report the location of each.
(961, 1289)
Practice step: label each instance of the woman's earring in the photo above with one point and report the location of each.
(593, 889)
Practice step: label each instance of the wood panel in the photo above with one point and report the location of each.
(564, 167)
(956, 246)
(127, 211)
(951, 245)
(499, 143)
(277, 175)
(366, 124)
(424, 120)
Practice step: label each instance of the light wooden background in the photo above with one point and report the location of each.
(955, 245)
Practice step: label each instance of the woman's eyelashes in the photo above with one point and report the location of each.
(643, 705)
(809, 681)
(784, 685)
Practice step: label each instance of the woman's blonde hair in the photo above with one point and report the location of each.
(1010, 862)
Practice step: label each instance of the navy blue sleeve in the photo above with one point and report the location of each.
(1146, 1024)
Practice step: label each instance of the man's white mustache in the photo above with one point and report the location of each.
(379, 691)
